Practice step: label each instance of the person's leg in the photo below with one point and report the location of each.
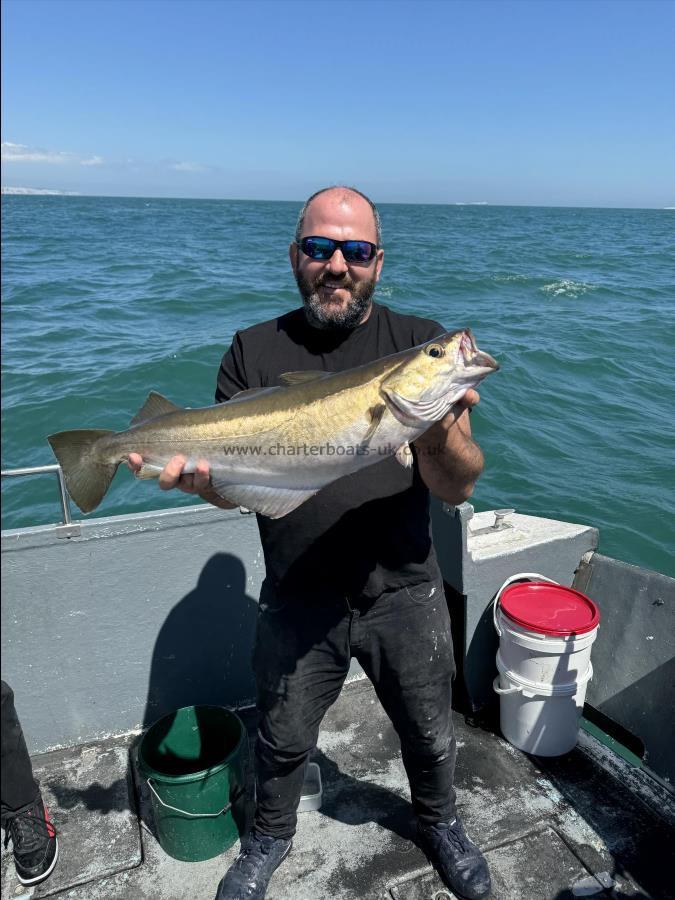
(18, 788)
(405, 647)
(24, 817)
(301, 660)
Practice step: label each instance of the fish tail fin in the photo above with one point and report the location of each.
(87, 470)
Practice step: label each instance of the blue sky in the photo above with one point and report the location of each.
(546, 103)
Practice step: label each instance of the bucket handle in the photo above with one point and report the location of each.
(521, 576)
(516, 689)
(530, 690)
(184, 812)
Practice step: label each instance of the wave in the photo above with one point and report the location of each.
(507, 277)
(568, 288)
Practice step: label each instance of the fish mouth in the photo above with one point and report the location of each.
(469, 355)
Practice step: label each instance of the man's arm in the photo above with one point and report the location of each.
(449, 460)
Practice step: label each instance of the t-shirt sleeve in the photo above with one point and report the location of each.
(232, 373)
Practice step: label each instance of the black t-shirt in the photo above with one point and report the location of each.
(366, 533)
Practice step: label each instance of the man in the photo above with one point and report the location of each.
(352, 571)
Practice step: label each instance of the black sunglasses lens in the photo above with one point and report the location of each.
(318, 247)
(322, 248)
(358, 251)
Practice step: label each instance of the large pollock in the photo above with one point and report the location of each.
(271, 449)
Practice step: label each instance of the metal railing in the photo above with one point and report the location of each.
(67, 528)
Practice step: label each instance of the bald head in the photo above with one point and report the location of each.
(342, 196)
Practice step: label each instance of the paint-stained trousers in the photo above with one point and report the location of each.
(18, 788)
(301, 658)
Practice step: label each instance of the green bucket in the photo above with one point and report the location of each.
(194, 762)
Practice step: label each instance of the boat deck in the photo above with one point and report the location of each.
(586, 824)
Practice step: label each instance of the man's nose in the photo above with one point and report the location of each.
(337, 264)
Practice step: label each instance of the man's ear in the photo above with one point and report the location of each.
(293, 252)
(379, 264)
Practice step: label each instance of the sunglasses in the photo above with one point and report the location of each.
(323, 248)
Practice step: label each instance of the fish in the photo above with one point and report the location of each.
(270, 449)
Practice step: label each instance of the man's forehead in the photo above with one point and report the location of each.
(342, 208)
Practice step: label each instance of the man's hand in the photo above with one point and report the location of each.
(172, 476)
(449, 460)
(459, 414)
(468, 401)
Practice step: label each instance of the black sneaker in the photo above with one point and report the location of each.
(34, 842)
(250, 873)
(457, 860)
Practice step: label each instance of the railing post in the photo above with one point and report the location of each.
(67, 528)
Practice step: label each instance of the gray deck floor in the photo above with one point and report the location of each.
(551, 829)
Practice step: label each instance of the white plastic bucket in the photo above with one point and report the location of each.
(540, 719)
(543, 671)
(542, 658)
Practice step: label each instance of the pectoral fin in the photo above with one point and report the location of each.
(376, 413)
(404, 455)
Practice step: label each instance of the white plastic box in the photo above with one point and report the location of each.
(311, 789)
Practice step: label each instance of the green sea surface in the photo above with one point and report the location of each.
(107, 298)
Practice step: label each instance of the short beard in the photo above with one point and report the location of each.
(318, 313)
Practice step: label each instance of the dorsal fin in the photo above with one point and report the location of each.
(154, 406)
(301, 377)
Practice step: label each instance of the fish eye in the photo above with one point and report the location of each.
(435, 350)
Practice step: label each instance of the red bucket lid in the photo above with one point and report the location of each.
(549, 608)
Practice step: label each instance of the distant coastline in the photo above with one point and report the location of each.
(37, 192)
(41, 192)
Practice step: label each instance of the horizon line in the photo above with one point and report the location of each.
(15, 191)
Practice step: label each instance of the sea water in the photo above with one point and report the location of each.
(107, 298)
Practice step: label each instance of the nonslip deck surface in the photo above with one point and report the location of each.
(551, 829)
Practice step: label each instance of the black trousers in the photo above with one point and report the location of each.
(301, 659)
(18, 788)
